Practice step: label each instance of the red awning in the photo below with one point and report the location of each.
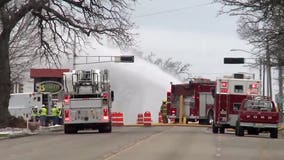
(51, 73)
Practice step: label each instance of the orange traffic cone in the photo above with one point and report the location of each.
(117, 119)
(140, 118)
(147, 119)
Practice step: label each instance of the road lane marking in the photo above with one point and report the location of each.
(132, 145)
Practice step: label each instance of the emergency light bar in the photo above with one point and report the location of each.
(239, 76)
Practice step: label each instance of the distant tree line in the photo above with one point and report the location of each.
(261, 23)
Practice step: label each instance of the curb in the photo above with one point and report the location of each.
(16, 135)
(26, 133)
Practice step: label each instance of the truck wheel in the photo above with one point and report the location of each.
(222, 130)
(106, 128)
(67, 129)
(239, 131)
(70, 129)
(274, 133)
(214, 129)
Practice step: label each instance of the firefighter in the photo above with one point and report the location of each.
(60, 115)
(43, 115)
(35, 114)
(54, 114)
(164, 111)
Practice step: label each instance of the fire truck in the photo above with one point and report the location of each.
(258, 114)
(198, 100)
(229, 94)
(88, 98)
(87, 101)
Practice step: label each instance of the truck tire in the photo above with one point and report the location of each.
(222, 130)
(274, 133)
(69, 129)
(240, 131)
(214, 129)
(106, 128)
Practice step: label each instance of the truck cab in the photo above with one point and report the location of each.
(258, 114)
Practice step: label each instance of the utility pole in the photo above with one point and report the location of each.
(268, 64)
(280, 82)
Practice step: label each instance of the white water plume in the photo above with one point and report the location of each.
(138, 86)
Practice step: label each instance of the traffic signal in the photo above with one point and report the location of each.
(124, 59)
(234, 60)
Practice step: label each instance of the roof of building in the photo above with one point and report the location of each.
(44, 72)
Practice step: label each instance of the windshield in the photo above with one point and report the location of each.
(259, 105)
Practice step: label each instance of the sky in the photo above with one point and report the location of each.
(190, 31)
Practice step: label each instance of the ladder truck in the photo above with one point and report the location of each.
(88, 98)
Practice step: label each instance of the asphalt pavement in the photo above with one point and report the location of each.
(141, 143)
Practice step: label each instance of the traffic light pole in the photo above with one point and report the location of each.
(105, 59)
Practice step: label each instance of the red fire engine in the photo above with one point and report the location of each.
(198, 100)
(230, 92)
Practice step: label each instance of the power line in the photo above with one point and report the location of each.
(174, 10)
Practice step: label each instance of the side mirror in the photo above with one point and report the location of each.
(112, 95)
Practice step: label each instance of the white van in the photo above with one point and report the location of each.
(20, 104)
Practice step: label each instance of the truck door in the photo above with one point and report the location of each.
(187, 106)
(205, 98)
(202, 104)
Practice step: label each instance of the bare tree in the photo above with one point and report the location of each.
(261, 22)
(55, 22)
(21, 51)
(175, 68)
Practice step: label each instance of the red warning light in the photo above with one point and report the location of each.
(224, 84)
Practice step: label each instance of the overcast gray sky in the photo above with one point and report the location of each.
(190, 31)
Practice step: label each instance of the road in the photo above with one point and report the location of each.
(139, 143)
